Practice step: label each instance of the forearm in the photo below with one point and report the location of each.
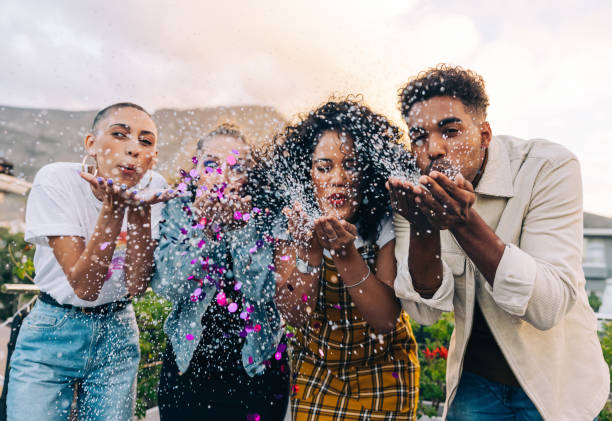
(481, 244)
(139, 257)
(375, 299)
(424, 261)
(88, 274)
(297, 293)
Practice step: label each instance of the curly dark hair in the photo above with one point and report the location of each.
(445, 80)
(286, 172)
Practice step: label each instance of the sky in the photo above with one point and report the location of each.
(546, 64)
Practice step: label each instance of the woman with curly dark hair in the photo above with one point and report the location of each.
(355, 353)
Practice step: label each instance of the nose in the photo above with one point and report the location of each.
(339, 177)
(436, 147)
(133, 148)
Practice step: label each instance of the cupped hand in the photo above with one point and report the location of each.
(335, 234)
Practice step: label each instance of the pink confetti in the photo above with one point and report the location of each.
(221, 299)
(232, 307)
(285, 258)
(305, 298)
(244, 315)
(337, 306)
(104, 245)
(238, 215)
(257, 327)
(182, 187)
(209, 170)
(189, 337)
(246, 217)
(256, 209)
(219, 171)
(250, 360)
(231, 160)
(237, 286)
(251, 309)
(252, 250)
(201, 243)
(321, 353)
(193, 173)
(278, 356)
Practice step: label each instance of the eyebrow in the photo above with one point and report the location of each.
(122, 125)
(449, 120)
(323, 159)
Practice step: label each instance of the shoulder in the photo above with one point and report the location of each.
(60, 177)
(58, 172)
(542, 150)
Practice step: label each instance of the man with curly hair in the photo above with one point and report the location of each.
(505, 216)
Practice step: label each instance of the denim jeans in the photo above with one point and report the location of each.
(58, 348)
(479, 399)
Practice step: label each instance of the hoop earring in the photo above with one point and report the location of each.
(85, 167)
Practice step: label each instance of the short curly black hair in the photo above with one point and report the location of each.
(378, 145)
(446, 80)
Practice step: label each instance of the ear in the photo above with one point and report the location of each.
(89, 142)
(154, 160)
(485, 134)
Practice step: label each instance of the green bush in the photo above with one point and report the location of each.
(16, 266)
(151, 312)
(433, 344)
(605, 337)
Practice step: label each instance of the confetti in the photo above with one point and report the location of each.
(189, 337)
(182, 187)
(232, 307)
(244, 315)
(237, 286)
(104, 245)
(231, 160)
(285, 258)
(235, 152)
(321, 353)
(395, 375)
(253, 250)
(278, 356)
(246, 217)
(305, 298)
(257, 327)
(221, 299)
(193, 173)
(250, 360)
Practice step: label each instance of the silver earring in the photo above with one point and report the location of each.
(85, 167)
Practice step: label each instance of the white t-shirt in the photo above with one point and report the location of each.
(62, 203)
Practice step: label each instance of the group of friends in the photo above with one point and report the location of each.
(294, 268)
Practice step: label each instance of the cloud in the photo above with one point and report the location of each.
(547, 69)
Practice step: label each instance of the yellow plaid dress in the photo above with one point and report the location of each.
(344, 370)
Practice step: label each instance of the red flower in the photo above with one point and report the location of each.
(444, 352)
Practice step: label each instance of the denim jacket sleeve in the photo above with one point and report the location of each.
(181, 246)
(253, 266)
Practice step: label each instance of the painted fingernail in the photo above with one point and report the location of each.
(123, 187)
(100, 179)
(170, 191)
(134, 192)
(110, 181)
(158, 194)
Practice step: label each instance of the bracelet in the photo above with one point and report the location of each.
(362, 280)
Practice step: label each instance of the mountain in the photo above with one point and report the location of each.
(31, 138)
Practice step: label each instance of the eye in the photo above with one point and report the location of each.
(238, 168)
(119, 135)
(210, 163)
(323, 168)
(450, 132)
(146, 141)
(351, 166)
